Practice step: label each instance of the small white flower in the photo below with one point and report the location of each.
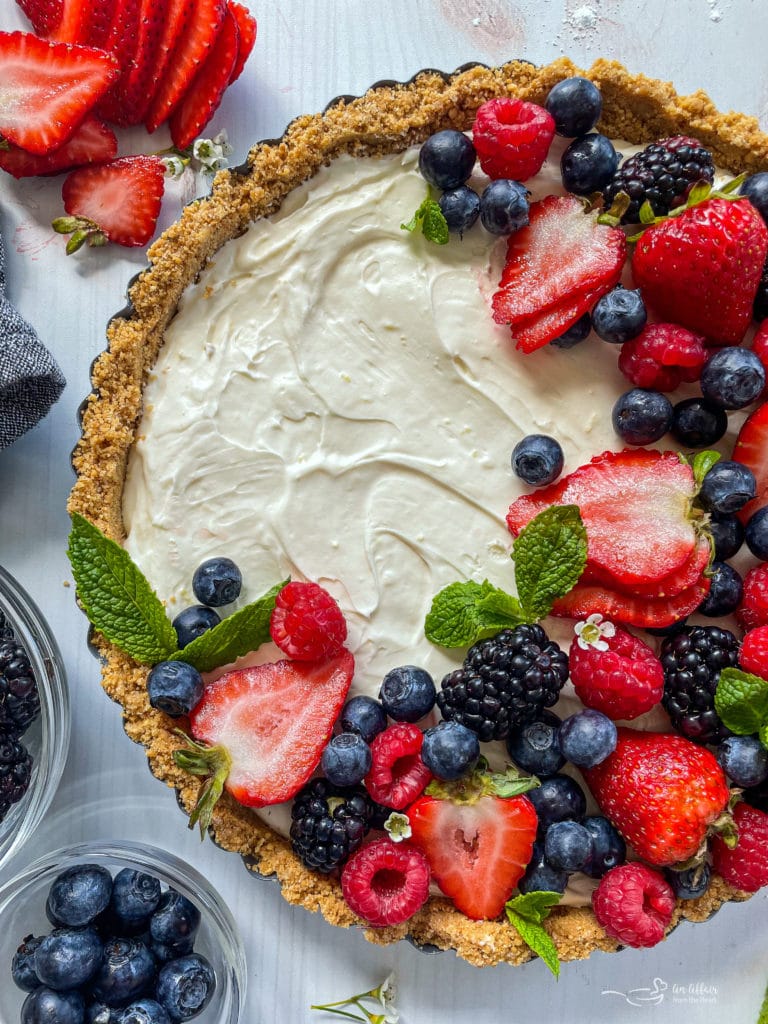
(398, 827)
(592, 630)
(174, 166)
(212, 154)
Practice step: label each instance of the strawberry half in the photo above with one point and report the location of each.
(478, 843)
(48, 88)
(92, 143)
(246, 37)
(751, 449)
(688, 575)
(44, 15)
(261, 731)
(645, 612)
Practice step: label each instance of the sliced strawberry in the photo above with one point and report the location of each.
(48, 88)
(681, 579)
(72, 24)
(246, 38)
(98, 25)
(202, 98)
(636, 507)
(191, 49)
(751, 449)
(645, 612)
(265, 728)
(44, 15)
(115, 202)
(541, 329)
(122, 41)
(92, 143)
(177, 17)
(138, 82)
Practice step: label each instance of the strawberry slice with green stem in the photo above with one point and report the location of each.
(260, 732)
(751, 449)
(92, 143)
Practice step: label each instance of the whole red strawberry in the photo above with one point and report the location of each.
(662, 793)
(702, 267)
(745, 866)
(615, 672)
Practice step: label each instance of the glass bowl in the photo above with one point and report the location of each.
(22, 912)
(47, 738)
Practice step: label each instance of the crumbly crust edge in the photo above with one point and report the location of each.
(388, 118)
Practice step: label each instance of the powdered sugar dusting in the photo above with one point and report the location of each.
(582, 20)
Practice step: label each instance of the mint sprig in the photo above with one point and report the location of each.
(526, 913)
(549, 554)
(430, 221)
(741, 701)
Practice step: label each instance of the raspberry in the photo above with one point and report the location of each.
(306, 623)
(634, 904)
(753, 656)
(662, 356)
(328, 823)
(512, 138)
(398, 775)
(623, 682)
(692, 660)
(753, 610)
(385, 884)
(746, 866)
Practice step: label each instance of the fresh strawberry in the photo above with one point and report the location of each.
(753, 656)
(72, 23)
(645, 612)
(688, 575)
(92, 143)
(751, 449)
(636, 507)
(397, 775)
(662, 793)
(623, 681)
(662, 356)
(745, 865)
(702, 267)
(99, 22)
(115, 202)
(542, 328)
(48, 88)
(512, 137)
(138, 83)
(177, 17)
(385, 883)
(44, 15)
(634, 904)
(753, 610)
(122, 42)
(191, 49)
(477, 842)
(246, 36)
(205, 92)
(562, 254)
(260, 731)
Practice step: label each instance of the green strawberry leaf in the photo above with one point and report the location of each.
(243, 631)
(526, 913)
(701, 463)
(741, 701)
(430, 221)
(117, 597)
(550, 554)
(462, 613)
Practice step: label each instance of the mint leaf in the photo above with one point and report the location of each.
(550, 554)
(526, 913)
(763, 1018)
(741, 701)
(430, 221)
(763, 734)
(243, 631)
(701, 463)
(116, 596)
(465, 612)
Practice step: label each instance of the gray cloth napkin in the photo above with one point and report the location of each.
(30, 380)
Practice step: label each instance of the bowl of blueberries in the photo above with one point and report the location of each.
(34, 716)
(114, 932)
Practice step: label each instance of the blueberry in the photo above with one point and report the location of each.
(567, 845)
(363, 715)
(461, 208)
(726, 590)
(576, 105)
(691, 883)
(641, 416)
(407, 693)
(446, 159)
(540, 876)
(68, 957)
(163, 951)
(558, 798)
(536, 746)
(217, 582)
(44, 1006)
(127, 970)
(185, 986)
(450, 750)
(175, 920)
(727, 534)
(78, 895)
(727, 487)
(100, 1013)
(744, 760)
(144, 1011)
(346, 759)
(588, 164)
(732, 378)
(756, 533)
(587, 738)
(23, 964)
(755, 188)
(135, 897)
(576, 334)
(537, 459)
(697, 423)
(619, 316)
(192, 622)
(608, 848)
(174, 687)
(504, 207)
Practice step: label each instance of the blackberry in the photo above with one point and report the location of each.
(15, 773)
(692, 661)
(662, 173)
(19, 699)
(505, 682)
(329, 823)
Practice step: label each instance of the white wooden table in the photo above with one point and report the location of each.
(309, 51)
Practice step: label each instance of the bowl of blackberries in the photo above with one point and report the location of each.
(115, 932)
(34, 716)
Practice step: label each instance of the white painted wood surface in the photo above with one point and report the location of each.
(309, 51)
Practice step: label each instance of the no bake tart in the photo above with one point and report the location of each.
(278, 392)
